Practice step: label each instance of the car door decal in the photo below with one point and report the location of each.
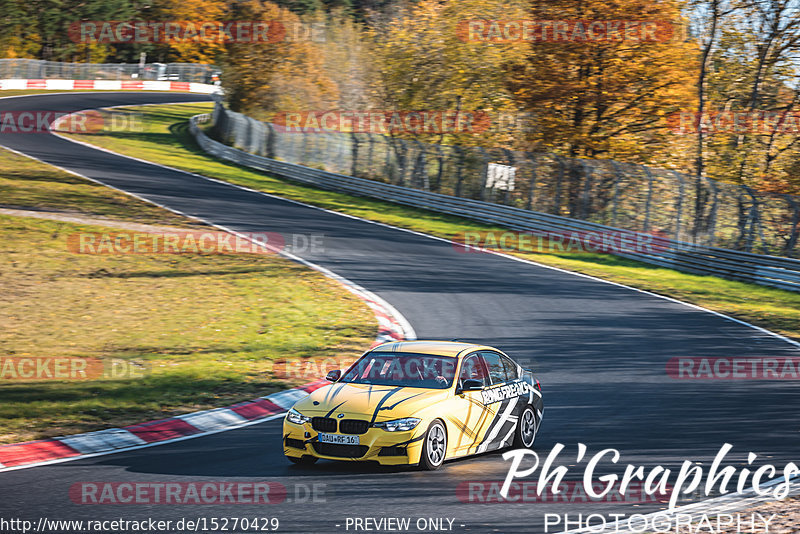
(504, 415)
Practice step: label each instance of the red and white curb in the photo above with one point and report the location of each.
(33, 453)
(108, 85)
(196, 424)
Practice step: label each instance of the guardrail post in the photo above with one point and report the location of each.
(617, 178)
(402, 161)
(587, 186)
(512, 163)
(269, 142)
(712, 216)
(679, 205)
(755, 223)
(354, 154)
(420, 172)
(532, 188)
(437, 186)
(370, 151)
(485, 172)
(559, 180)
(646, 225)
(792, 241)
(304, 148)
(459, 169)
(750, 228)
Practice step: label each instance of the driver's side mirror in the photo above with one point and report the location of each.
(334, 375)
(470, 384)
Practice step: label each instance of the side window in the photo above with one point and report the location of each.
(472, 368)
(511, 368)
(497, 371)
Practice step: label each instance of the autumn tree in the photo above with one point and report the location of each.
(605, 94)
(748, 67)
(606, 97)
(285, 74)
(40, 28)
(428, 62)
(193, 49)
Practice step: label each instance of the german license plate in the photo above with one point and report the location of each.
(337, 438)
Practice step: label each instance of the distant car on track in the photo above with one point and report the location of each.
(417, 403)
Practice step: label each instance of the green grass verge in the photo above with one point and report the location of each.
(166, 140)
(207, 327)
(28, 184)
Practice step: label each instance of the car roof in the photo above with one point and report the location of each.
(440, 348)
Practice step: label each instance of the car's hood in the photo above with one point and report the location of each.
(375, 403)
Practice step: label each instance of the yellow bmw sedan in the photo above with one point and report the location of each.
(417, 403)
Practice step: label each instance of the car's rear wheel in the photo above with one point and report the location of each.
(434, 446)
(303, 460)
(525, 434)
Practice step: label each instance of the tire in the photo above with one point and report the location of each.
(303, 460)
(525, 433)
(434, 446)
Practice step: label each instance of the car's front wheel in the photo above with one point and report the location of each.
(434, 446)
(526, 429)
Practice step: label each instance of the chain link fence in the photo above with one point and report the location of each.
(37, 69)
(627, 196)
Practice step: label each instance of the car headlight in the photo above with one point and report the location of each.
(293, 416)
(398, 425)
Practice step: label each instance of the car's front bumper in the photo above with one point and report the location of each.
(378, 445)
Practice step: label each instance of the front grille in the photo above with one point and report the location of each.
(323, 424)
(393, 451)
(353, 426)
(341, 451)
(295, 443)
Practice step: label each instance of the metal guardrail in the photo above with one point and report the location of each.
(783, 273)
(55, 70)
(634, 197)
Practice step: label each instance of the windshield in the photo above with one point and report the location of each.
(403, 369)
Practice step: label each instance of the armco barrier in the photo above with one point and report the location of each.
(783, 273)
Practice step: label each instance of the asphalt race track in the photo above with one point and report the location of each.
(599, 350)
